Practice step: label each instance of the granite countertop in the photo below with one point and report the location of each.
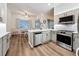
(3, 34)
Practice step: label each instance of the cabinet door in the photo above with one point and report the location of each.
(70, 13)
(4, 44)
(54, 33)
(0, 47)
(8, 40)
(76, 42)
(30, 39)
(46, 36)
(38, 38)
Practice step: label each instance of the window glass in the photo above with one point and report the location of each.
(24, 24)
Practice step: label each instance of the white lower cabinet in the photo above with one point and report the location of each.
(38, 39)
(30, 39)
(46, 36)
(4, 45)
(8, 41)
(75, 41)
(53, 35)
(0, 46)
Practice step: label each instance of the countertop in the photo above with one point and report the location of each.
(41, 30)
(3, 34)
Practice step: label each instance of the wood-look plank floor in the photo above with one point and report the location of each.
(19, 47)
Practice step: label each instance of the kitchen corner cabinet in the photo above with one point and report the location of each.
(53, 35)
(75, 41)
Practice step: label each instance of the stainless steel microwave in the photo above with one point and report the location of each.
(67, 19)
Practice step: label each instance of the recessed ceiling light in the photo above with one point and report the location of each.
(49, 4)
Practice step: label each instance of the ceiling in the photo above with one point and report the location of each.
(64, 7)
(39, 8)
(32, 8)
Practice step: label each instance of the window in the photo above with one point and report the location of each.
(24, 24)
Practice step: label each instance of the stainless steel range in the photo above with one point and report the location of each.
(65, 39)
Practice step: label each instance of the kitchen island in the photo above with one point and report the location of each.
(37, 37)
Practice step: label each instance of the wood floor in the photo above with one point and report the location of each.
(19, 47)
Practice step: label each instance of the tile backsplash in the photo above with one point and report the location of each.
(71, 27)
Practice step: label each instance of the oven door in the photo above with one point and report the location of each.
(64, 39)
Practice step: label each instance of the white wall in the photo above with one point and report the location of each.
(3, 12)
(13, 19)
(43, 20)
(2, 28)
(10, 21)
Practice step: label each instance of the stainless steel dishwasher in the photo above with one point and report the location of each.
(37, 38)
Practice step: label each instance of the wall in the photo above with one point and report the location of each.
(43, 20)
(11, 23)
(3, 12)
(14, 17)
(2, 28)
(51, 17)
(50, 14)
(72, 27)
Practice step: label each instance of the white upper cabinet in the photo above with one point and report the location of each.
(70, 13)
